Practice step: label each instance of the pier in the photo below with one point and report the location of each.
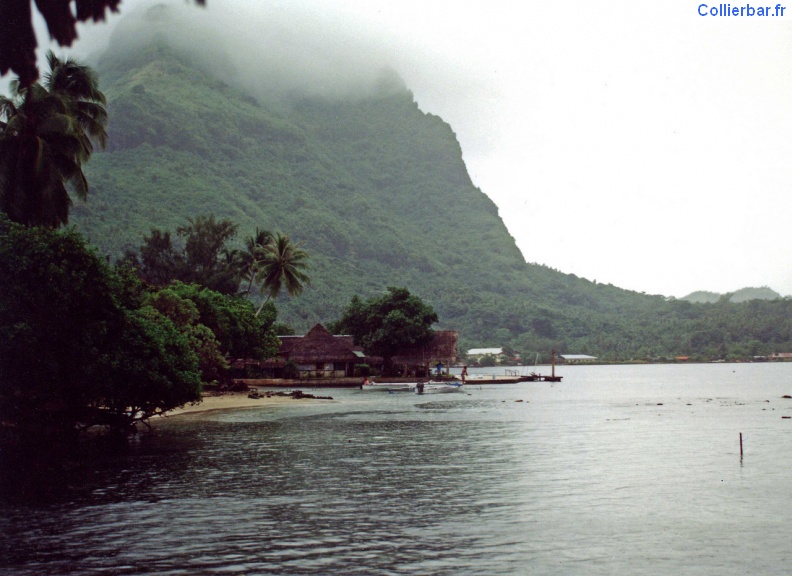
(534, 377)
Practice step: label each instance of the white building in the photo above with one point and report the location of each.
(575, 358)
(478, 353)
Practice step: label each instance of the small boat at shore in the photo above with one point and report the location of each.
(432, 387)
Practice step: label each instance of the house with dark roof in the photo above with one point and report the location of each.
(320, 354)
(316, 354)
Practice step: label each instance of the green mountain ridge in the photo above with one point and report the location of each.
(741, 295)
(378, 193)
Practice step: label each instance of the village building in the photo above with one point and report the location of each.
(320, 354)
(577, 358)
(316, 354)
(476, 354)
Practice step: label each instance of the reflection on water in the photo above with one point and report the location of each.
(616, 470)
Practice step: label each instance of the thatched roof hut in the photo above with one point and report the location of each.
(321, 354)
(318, 346)
(318, 353)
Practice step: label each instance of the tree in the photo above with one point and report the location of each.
(202, 259)
(387, 324)
(57, 315)
(186, 318)
(159, 262)
(46, 136)
(239, 332)
(488, 360)
(150, 368)
(72, 353)
(282, 266)
(205, 255)
(249, 260)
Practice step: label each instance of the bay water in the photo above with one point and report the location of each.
(614, 470)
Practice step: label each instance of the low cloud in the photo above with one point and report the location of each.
(272, 49)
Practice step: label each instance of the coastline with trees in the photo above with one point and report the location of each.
(87, 344)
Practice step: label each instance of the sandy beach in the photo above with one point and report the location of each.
(233, 400)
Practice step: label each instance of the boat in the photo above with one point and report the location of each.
(433, 387)
(389, 386)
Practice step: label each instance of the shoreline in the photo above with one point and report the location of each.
(226, 401)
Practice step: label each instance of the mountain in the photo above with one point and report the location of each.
(741, 295)
(375, 189)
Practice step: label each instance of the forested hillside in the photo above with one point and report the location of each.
(741, 295)
(378, 193)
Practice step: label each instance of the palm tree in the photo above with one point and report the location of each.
(249, 260)
(47, 132)
(282, 267)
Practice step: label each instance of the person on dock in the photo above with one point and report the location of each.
(464, 373)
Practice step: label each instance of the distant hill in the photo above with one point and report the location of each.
(378, 192)
(741, 295)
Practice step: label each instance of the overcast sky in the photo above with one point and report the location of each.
(633, 143)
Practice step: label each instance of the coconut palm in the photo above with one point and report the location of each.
(248, 261)
(47, 132)
(282, 267)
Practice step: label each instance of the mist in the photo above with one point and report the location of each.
(271, 50)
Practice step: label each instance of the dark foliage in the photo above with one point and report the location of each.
(388, 324)
(71, 354)
(233, 321)
(201, 257)
(47, 134)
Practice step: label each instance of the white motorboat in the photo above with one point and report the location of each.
(389, 386)
(433, 387)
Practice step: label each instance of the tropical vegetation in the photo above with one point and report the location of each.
(47, 133)
(86, 344)
(201, 256)
(282, 265)
(387, 324)
(269, 262)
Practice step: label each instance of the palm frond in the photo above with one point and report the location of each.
(55, 125)
(70, 77)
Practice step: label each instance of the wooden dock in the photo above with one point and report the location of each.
(534, 377)
(540, 378)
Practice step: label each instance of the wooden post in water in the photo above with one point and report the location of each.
(741, 449)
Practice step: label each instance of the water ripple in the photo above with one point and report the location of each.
(593, 477)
